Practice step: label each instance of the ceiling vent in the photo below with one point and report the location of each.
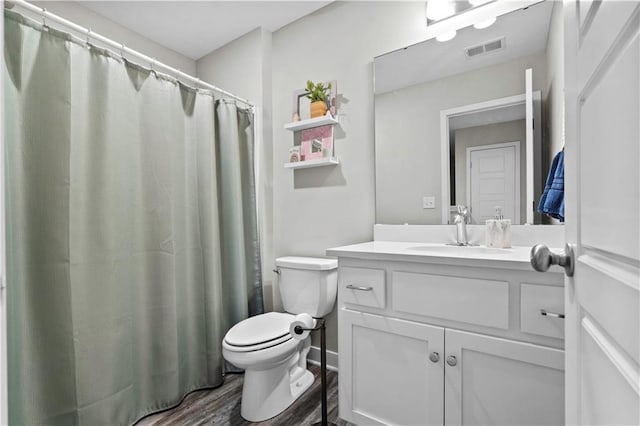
(484, 48)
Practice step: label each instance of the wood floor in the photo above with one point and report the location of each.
(221, 406)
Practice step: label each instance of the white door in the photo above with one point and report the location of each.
(391, 371)
(493, 180)
(493, 381)
(602, 157)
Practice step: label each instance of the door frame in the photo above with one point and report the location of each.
(4, 417)
(516, 145)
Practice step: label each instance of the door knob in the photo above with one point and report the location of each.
(434, 357)
(542, 258)
(452, 360)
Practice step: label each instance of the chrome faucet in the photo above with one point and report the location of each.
(461, 226)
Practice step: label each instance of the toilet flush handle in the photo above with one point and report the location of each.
(277, 271)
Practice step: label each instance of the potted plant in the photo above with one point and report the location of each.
(317, 94)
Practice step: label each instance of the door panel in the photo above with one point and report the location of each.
(601, 35)
(613, 191)
(502, 382)
(613, 308)
(610, 385)
(602, 86)
(494, 180)
(390, 379)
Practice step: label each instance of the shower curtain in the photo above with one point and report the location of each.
(132, 235)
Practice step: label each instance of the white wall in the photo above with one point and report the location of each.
(82, 16)
(243, 67)
(407, 130)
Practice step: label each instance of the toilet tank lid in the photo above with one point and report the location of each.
(313, 263)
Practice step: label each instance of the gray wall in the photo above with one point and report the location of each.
(82, 16)
(407, 129)
(490, 134)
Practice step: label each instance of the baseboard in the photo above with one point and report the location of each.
(332, 358)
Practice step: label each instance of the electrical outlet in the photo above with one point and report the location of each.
(428, 202)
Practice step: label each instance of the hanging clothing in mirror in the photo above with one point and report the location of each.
(552, 200)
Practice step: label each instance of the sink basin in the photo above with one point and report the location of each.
(461, 250)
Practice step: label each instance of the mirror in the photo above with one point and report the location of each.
(471, 121)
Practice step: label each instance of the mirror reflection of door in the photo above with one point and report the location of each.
(480, 128)
(493, 181)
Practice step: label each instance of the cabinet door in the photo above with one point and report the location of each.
(502, 382)
(386, 374)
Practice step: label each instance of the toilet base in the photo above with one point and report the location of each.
(267, 393)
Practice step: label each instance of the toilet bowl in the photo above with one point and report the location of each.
(275, 362)
(275, 365)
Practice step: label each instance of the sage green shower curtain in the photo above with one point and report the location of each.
(132, 239)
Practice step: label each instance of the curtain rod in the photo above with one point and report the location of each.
(119, 47)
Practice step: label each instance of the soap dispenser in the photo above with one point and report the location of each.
(498, 230)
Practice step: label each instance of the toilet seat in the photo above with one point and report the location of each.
(259, 332)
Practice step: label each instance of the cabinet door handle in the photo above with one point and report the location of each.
(359, 288)
(434, 357)
(452, 360)
(545, 313)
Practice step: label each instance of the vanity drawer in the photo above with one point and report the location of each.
(534, 299)
(471, 300)
(363, 286)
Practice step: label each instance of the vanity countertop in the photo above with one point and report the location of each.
(516, 257)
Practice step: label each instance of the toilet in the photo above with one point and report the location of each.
(275, 362)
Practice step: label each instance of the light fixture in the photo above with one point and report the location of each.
(439, 9)
(485, 23)
(446, 36)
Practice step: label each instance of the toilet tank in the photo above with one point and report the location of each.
(308, 284)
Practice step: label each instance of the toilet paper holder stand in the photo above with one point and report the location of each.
(323, 366)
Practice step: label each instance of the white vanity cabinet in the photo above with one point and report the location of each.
(390, 379)
(433, 342)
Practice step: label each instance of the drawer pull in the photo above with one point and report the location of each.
(434, 357)
(359, 288)
(551, 314)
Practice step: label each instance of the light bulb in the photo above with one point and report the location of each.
(439, 9)
(446, 36)
(484, 24)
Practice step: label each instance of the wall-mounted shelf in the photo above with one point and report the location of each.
(328, 161)
(310, 123)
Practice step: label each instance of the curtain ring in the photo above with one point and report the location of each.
(153, 62)
(88, 36)
(44, 17)
(122, 50)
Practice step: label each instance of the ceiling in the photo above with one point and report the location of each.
(525, 32)
(196, 28)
